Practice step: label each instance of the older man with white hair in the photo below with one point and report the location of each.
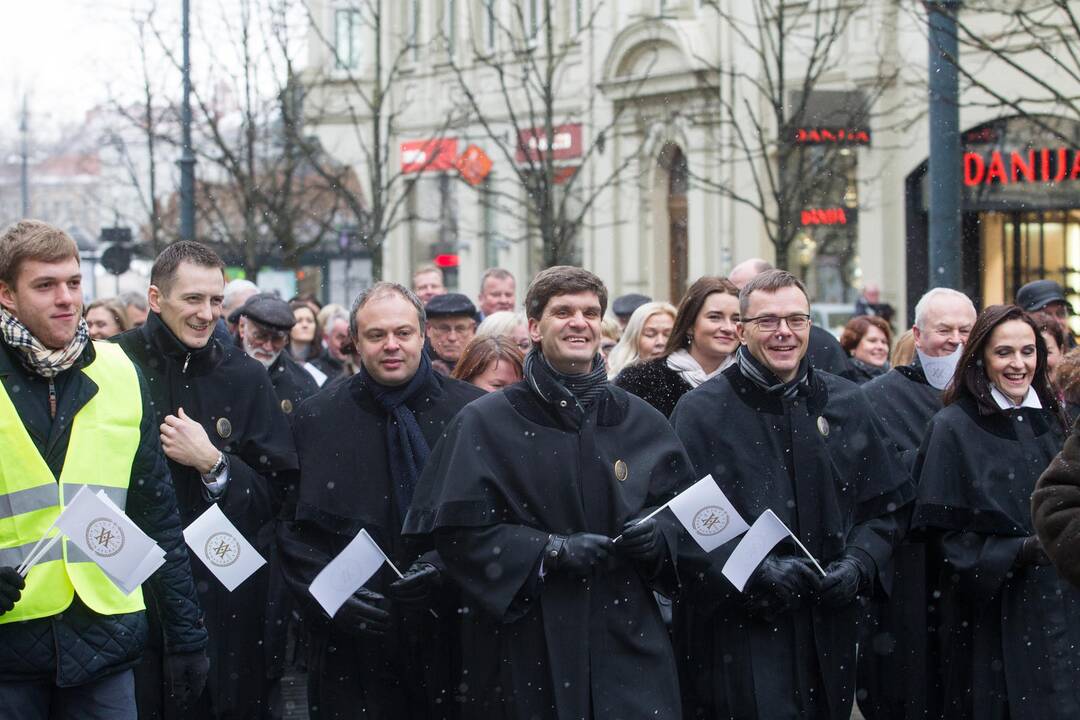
(896, 669)
(236, 294)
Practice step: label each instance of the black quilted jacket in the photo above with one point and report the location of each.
(78, 645)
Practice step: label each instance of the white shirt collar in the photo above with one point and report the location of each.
(1031, 400)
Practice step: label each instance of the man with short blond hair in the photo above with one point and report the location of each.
(74, 414)
(427, 282)
(497, 290)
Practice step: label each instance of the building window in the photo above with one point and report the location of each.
(579, 15)
(491, 25)
(432, 212)
(347, 39)
(414, 27)
(533, 19)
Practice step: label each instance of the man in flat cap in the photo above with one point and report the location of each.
(625, 305)
(1045, 301)
(451, 325)
(263, 324)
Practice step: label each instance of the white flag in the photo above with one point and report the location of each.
(109, 538)
(346, 573)
(222, 549)
(707, 514)
(763, 536)
(154, 559)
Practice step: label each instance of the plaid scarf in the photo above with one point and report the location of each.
(37, 358)
(756, 372)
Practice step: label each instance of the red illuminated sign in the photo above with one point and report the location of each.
(825, 216)
(438, 155)
(1006, 168)
(447, 261)
(566, 143)
(831, 136)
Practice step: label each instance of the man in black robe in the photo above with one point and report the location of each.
(777, 434)
(898, 672)
(362, 444)
(823, 350)
(522, 498)
(262, 329)
(226, 440)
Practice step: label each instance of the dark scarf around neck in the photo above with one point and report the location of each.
(553, 386)
(754, 371)
(407, 450)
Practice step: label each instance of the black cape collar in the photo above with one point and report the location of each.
(162, 340)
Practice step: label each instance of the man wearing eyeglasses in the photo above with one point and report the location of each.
(263, 324)
(451, 325)
(778, 434)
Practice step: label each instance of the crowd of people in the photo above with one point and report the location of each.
(509, 459)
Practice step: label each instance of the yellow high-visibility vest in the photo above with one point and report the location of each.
(102, 448)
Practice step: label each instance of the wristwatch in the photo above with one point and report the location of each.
(219, 467)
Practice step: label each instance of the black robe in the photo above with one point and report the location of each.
(230, 395)
(898, 672)
(292, 383)
(346, 485)
(1009, 636)
(655, 383)
(818, 461)
(860, 372)
(514, 469)
(824, 352)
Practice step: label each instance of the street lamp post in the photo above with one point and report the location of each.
(944, 162)
(187, 157)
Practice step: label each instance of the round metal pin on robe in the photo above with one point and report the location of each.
(224, 428)
(286, 406)
(823, 426)
(621, 471)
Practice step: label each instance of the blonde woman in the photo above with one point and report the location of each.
(644, 338)
(513, 325)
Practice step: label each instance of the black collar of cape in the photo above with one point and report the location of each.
(913, 372)
(552, 405)
(814, 391)
(1002, 423)
(161, 340)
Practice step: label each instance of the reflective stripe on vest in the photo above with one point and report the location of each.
(104, 440)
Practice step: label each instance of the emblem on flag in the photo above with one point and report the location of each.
(711, 520)
(104, 537)
(222, 549)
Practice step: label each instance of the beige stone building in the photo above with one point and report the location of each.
(655, 105)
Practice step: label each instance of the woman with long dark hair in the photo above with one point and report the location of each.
(702, 343)
(1009, 625)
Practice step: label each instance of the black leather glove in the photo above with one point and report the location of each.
(641, 542)
(361, 614)
(416, 585)
(186, 675)
(1032, 553)
(11, 585)
(577, 554)
(844, 577)
(781, 584)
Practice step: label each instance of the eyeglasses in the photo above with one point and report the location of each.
(261, 335)
(460, 328)
(771, 323)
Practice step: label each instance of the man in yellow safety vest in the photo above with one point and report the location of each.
(76, 413)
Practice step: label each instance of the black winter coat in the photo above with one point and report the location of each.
(346, 485)
(292, 383)
(513, 468)
(79, 645)
(230, 395)
(655, 383)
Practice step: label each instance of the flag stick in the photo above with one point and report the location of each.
(638, 522)
(394, 568)
(37, 553)
(812, 558)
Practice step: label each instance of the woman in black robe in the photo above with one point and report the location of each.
(1010, 626)
(866, 340)
(702, 343)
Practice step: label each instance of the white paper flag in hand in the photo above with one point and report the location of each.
(346, 573)
(222, 549)
(109, 538)
(763, 536)
(707, 514)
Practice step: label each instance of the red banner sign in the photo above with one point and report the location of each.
(825, 216)
(831, 136)
(565, 144)
(1045, 165)
(474, 165)
(437, 155)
